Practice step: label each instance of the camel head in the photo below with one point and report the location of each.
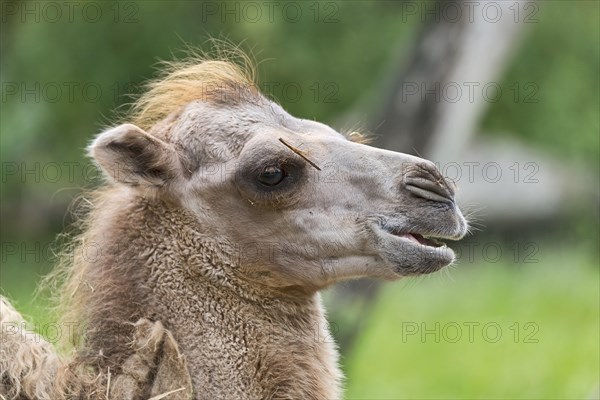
(297, 203)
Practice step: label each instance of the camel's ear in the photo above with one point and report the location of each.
(133, 157)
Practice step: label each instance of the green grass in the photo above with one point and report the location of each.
(555, 356)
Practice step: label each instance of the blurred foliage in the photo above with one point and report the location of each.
(552, 88)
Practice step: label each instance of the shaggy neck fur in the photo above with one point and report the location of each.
(241, 340)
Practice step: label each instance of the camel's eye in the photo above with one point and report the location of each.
(272, 176)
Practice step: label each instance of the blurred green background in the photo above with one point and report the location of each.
(521, 325)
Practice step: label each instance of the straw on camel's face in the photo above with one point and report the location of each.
(300, 204)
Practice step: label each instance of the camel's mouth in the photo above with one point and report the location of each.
(417, 238)
(411, 252)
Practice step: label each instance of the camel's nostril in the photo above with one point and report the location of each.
(427, 182)
(434, 195)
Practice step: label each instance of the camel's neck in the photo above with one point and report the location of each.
(244, 349)
(240, 341)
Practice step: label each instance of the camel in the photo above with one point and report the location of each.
(221, 219)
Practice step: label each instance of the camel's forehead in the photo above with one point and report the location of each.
(217, 132)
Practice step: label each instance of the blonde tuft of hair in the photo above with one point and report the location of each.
(224, 75)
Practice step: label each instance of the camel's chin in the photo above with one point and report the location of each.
(422, 261)
(412, 255)
(431, 261)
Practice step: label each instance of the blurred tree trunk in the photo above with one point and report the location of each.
(434, 104)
